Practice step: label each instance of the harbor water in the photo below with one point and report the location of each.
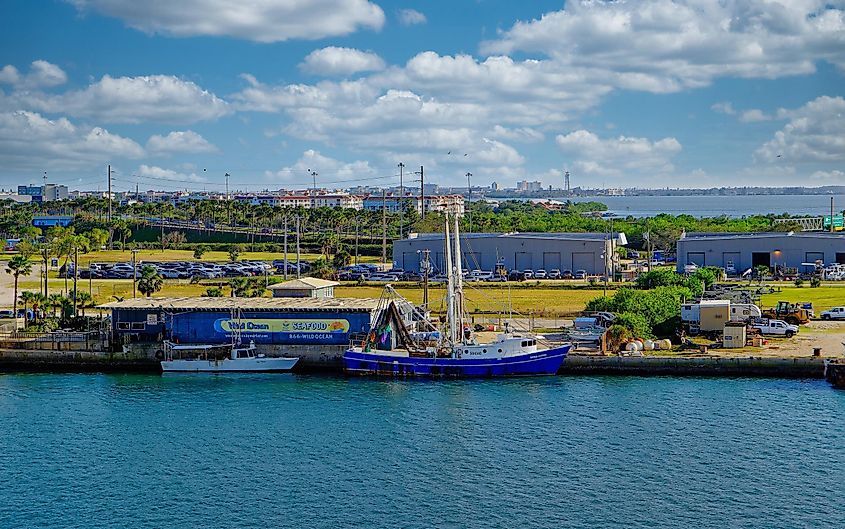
(189, 451)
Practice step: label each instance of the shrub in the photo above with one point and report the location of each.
(635, 323)
(815, 282)
(798, 282)
(617, 335)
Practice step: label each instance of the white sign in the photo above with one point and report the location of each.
(152, 319)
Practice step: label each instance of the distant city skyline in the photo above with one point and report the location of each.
(650, 94)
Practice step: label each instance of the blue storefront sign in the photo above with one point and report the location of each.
(271, 328)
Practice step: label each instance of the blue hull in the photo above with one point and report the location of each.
(373, 363)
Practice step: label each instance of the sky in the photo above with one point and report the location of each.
(637, 93)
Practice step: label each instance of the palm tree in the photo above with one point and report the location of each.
(18, 265)
(39, 303)
(150, 281)
(83, 301)
(54, 301)
(27, 299)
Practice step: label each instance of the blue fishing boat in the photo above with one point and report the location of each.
(454, 353)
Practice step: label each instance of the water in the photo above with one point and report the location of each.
(96, 451)
(714, 206)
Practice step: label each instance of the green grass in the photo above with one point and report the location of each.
(823, 297)
(540, 301)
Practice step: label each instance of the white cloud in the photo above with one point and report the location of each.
(410, 17)
(256, 20)
(157, 98)
(754, 115)
(158, 173)
(618, 156)
(836, 175)
(178, 142)
(814, 134)
(522, 134)
(341, 61)
(669, 45)
(41, 74)
(331, 172)
(723, 108)
(28, 140)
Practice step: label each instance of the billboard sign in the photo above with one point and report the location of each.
(311, 330)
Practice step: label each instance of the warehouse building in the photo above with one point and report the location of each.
(514, 251)
(742, 251)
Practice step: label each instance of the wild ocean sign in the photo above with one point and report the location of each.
(328, 330)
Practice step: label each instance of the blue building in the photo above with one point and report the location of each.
(277, 321)
(47, 221)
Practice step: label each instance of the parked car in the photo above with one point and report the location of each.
(633, 254)
(836, 313)
(540, 274)
(776, 327)
(580, 274)
(515, 275)
(554, 273)
(566, 274)
(527, 274)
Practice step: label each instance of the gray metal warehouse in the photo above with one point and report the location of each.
(516, 251)
(748, 250)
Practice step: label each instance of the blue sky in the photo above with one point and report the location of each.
(679, 93)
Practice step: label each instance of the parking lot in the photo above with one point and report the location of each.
(185, 269)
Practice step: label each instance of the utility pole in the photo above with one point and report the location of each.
(357, 224)
(75, 276)
(228, 201)
(426, 253)
(298, 264)
(469, 201)
(831, 214)
(111, 231)
(383, 226)
(401, 200)
(44, 253)
(422, 192)
(134, 271)
(313, 189)
(286, 247)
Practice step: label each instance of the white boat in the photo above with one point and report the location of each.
(207, 358)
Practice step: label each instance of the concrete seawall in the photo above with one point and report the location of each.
(75, 362)
(715, 366)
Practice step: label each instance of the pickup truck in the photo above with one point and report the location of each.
(836, 313)
(776, 327)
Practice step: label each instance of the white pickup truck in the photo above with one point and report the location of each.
(776, 327)
(836, 313)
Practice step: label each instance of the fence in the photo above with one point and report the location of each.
(56, 341)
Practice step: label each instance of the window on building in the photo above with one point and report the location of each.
(121, 326)
(138, 326)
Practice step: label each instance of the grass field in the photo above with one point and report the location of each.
(824, 297)
(542, 302)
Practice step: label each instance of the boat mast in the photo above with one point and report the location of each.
(450, 285)
(459, 283)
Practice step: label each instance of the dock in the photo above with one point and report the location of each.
(77, 361)
(834, 372)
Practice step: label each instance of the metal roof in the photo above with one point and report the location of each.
(305, 283)
(248, 304)
(762, 235)
(517, 235)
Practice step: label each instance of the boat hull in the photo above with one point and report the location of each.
(538, 363)
(241, 365)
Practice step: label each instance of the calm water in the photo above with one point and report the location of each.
(713, 206)
(96, 451)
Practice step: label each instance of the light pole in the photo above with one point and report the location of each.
(134, 271)
(401, 199)
(469, 201)
(313, 189)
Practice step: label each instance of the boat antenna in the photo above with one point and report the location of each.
(459, 281)
(450, 283)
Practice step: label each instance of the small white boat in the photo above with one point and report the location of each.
(207, 358)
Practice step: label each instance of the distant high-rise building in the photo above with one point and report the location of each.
(527, 186)
(45, 193)
(494, 186)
